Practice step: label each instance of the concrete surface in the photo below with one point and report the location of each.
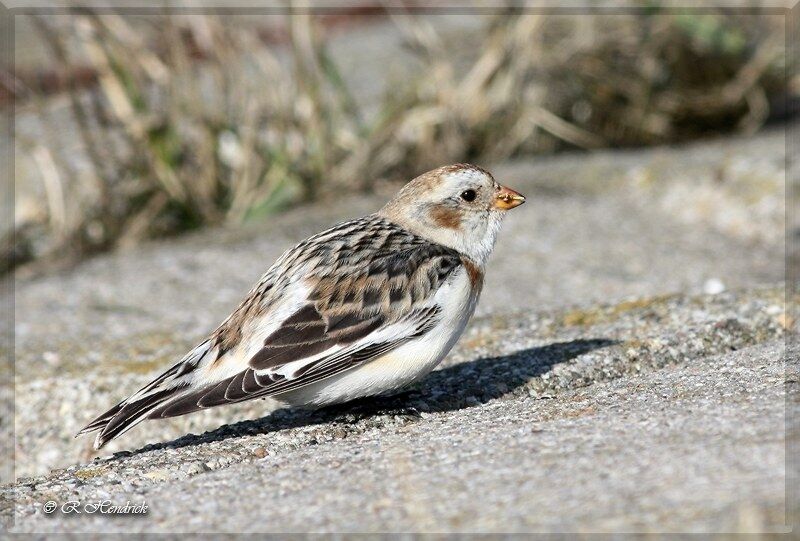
(660, 415)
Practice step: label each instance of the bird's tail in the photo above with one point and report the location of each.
(136, 408)
(125, 416)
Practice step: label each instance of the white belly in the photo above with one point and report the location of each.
(402, 366)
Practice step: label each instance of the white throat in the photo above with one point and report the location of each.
(479, 243)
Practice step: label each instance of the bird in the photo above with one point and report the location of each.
(364, 308)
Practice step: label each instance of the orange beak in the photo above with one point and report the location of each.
(508, 199)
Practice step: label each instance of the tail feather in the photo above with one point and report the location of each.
(131, 411)
(126, 415)
(100, 421)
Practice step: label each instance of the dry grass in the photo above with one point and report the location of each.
(545, 82)
(195, 122)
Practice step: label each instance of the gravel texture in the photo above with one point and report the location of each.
(658, 415)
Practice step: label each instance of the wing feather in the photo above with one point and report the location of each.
(251, 383)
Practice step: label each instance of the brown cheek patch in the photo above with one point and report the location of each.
(445, 217)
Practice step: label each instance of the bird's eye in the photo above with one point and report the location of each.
(468, 195)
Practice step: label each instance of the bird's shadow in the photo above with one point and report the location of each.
(452, 388)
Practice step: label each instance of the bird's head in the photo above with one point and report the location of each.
(460, 206)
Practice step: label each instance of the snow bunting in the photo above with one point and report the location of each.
(368, 306)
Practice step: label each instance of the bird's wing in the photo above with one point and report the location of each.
(347, 319)
(334, 302)
(337, 357)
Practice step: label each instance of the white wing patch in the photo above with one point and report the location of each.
(256, 332)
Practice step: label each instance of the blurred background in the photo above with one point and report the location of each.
(129, 127)
(162, 161)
